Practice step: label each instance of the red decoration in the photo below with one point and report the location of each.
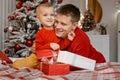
(45, 0)
(11, 17)
(16, 15)
(17, 47)
(28, 8)
(29, 42)
(18, 5)
(5, 30)
(60, 1)
(48, 53)
(6, 51)
(20, 2)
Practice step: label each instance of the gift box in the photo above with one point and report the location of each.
(55, 68)
(45, 53)
(4, 57)
(76, 60)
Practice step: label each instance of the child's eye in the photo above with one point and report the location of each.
(52, 14)
(45, 15)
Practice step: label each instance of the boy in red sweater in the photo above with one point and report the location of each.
(45, 37)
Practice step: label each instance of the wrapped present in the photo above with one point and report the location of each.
(45, 53)
(76, 60)
(4, 57)
(55, 68)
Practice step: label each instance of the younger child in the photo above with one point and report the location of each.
(45, 37)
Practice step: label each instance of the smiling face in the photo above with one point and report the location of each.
(66, 20)
(46, 16)
(64, 25)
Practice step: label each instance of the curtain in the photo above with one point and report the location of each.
(6, 8)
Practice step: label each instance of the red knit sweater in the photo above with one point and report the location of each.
(81, 46)
(45, 37)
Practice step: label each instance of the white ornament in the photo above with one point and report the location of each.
(10, 28)
(26, 35)
(29, 26)
(24, 19)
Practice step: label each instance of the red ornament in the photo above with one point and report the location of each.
(20, 2)
(45, 0)
(29, 42)
(7, 41)
(17, 47)
(11, 17)
(16, 15)
(18, 5)
(5, 30)
(60, 1)
(28, 8)
(6, 51)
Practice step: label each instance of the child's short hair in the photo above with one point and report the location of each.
(47, 4)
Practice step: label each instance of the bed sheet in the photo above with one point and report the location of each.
(103, 71)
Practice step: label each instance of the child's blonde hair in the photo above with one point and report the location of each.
(47, 5)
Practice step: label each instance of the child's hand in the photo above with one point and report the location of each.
(71, 35)
(54, 46)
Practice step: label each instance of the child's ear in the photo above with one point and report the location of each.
(37, 18)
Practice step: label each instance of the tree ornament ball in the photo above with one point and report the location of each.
(29, 42)
(20, 2)
(60, 1)
(10, 28)
(29, 26)
(17, 47)
(24, 19)
(28, 8)
(5, 30)
(11, 17)
(6, 51)
(16, 15)
(18, 5)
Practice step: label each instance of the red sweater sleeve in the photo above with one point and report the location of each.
(64, 43)
(44, 38)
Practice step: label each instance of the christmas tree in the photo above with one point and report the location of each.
(88, 22)
(22, 28)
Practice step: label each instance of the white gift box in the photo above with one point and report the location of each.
(76, 60)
